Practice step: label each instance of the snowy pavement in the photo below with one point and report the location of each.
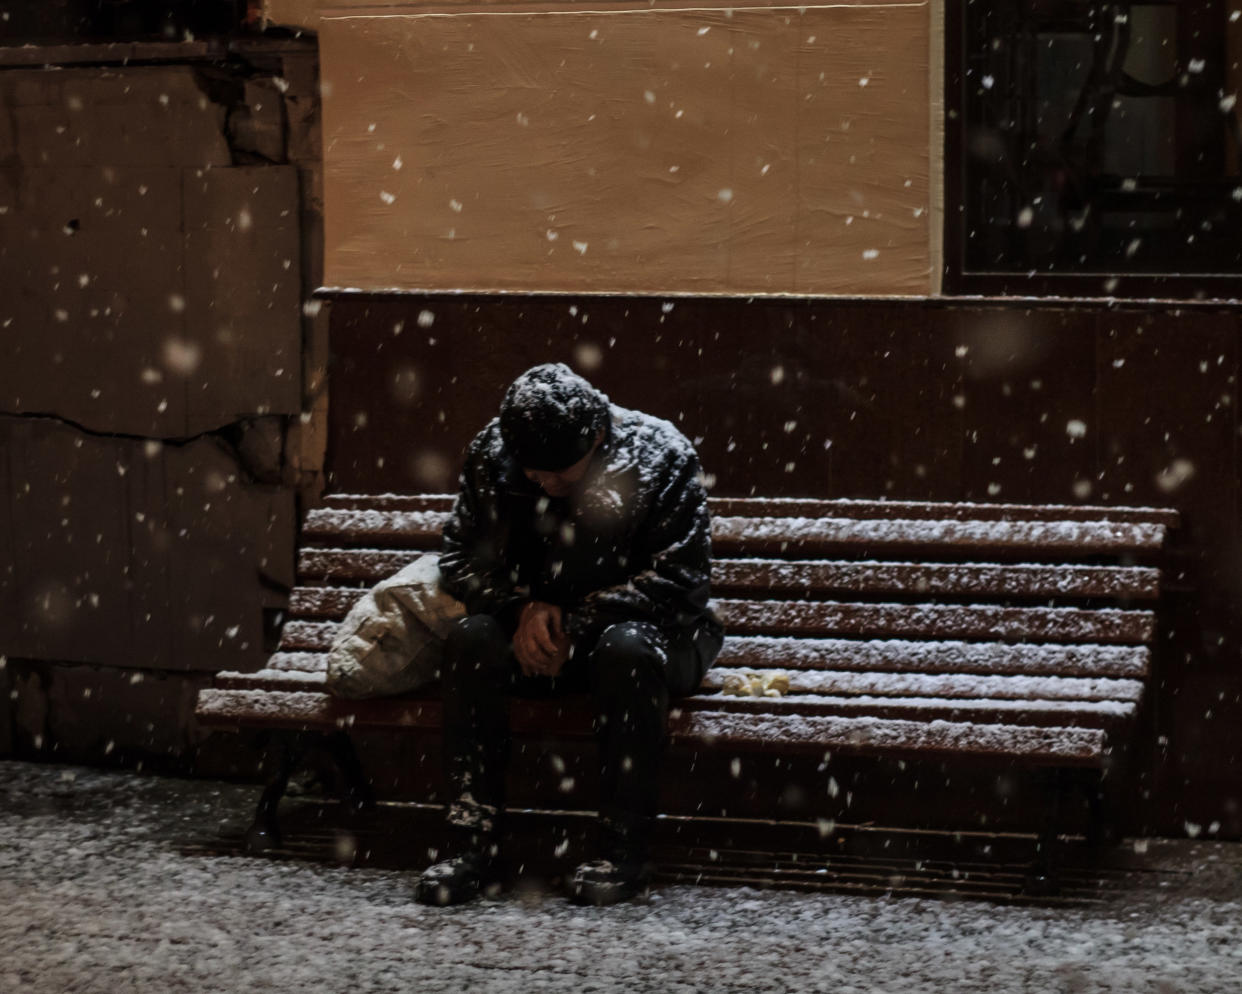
(98, 893)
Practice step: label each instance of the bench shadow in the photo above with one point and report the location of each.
(543, 846)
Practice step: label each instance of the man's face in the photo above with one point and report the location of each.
(561, 482)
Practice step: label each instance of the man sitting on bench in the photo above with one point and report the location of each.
(580, 543)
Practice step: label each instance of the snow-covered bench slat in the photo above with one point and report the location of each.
(307, 636)
(1024, 580)
(847, 693)
(310, 668)
(808, 617)
(960, 621)
(309, 639)
(936, 656)
(803, 536)
(401, 529)
(302, 711)
(801, 507)
(1076, 714)
(271, 678)
(820, 578)
(1056, 746)
(796, 537)
(954, 685)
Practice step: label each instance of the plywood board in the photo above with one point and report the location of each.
(148, 300)
(136, 554)
(628, 149)
(143, 117)
(98, 256)
(68, 515)
(149, 294)
(243, 287)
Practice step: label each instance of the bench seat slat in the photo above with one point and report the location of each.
(939, 656)
(272, 679)
(298, 662)
(303, 640)
(305, 710)
(817, 577)
(367, 566)
(1037, 745)
(955, 685)
(312, 710)
(307, 636)
(833, 618)
(952, 686)
(1079, 714)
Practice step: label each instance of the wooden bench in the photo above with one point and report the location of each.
(1009, 634)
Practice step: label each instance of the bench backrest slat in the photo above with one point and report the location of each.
(800, 507)
(792, 537)
(823, 578)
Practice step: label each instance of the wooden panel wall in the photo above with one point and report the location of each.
(119, 202)
(932, 400)
(159, 231)
(629, 148)
(155, 299)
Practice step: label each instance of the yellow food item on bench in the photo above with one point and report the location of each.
(776, 684)
(772, 683)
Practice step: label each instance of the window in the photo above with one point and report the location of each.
(1092, 149)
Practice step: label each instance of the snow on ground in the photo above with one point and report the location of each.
(97, 895)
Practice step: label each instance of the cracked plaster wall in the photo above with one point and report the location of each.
(161, 389)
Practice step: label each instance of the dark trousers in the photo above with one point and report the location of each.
(631, 673)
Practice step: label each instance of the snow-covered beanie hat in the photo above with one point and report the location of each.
(550, 416)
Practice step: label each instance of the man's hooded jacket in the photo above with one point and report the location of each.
(631, 543)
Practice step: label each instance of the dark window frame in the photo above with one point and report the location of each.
(961, 278)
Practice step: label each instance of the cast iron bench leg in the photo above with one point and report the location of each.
(358, 794)
(264, 834)
(1042, 880)
(1101, 831)
(286, 751)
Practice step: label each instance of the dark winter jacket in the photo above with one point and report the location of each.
(632, 544)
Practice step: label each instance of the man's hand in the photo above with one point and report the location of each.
(540, 642)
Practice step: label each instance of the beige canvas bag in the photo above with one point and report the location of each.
(392, 640)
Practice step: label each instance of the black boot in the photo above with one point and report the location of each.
(456, 880)
(622, 873)
(475, 870)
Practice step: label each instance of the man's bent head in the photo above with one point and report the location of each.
(561, 482)
(551, 420)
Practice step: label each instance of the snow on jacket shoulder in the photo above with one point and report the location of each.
(632, 544)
